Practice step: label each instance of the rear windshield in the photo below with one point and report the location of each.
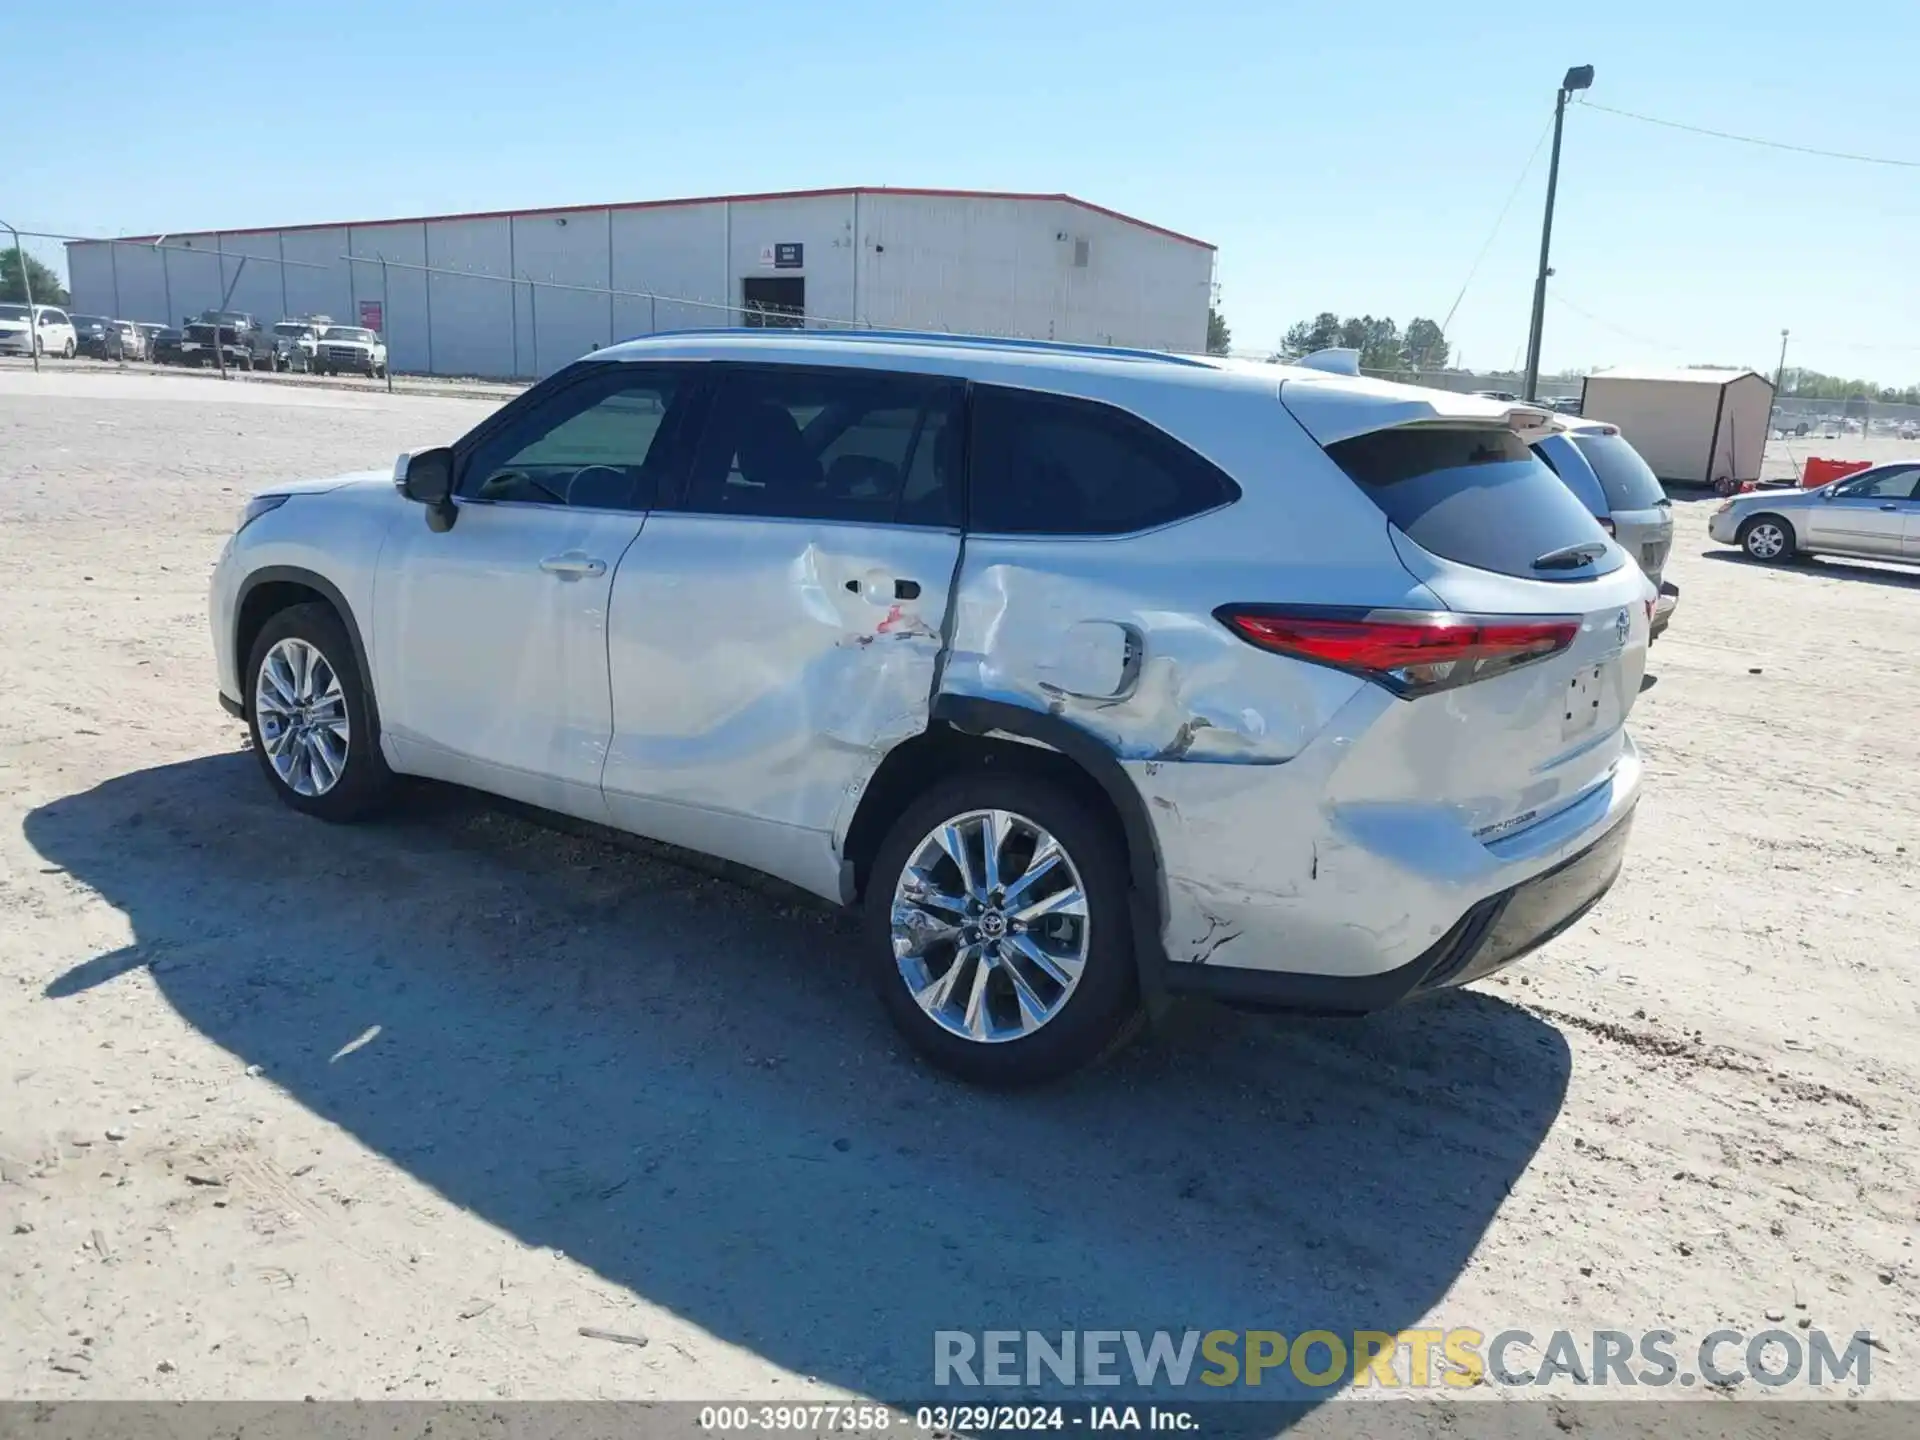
(1479, 496)
(1629, 482)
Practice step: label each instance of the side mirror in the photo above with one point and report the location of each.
(426, 478)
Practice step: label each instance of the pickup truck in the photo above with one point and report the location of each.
(245, 341)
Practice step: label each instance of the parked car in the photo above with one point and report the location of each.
(1595, 462)
(246, 344)
(1288, 688)
(133, 340)
(150, 331)
(350, 348)
(1871, 514)
(164, 347)
(93, 333)
(1564, 404)
(296, 342)
(1502, 395)
(39, 329)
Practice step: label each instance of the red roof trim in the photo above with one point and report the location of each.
(700, 200)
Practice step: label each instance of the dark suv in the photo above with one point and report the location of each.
(246, 343)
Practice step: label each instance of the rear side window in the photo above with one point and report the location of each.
(1050, 465)
(1628, 480)
(849, 445)
(1574, 471)
(1476, 495)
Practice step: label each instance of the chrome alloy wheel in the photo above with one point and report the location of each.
(990, 926)
(302, 713)
(1766, 540)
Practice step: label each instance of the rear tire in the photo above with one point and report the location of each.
(312, 693)
(1040, 1029)
(1768, 539)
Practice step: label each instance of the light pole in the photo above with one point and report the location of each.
(26, 284)
(1780, 373)
(1578, 78)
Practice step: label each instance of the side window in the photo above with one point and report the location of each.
(844, 445)
(1048, 465)
(1895, 482)
(601, 443)
(1559, 455)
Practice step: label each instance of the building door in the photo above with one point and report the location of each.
(774, 302)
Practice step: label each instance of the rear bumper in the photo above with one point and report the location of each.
(1491, 935)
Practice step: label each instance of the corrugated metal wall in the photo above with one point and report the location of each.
(525, 294)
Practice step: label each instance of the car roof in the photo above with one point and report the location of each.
(1330, 405)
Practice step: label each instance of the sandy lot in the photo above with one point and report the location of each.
(291, 1110)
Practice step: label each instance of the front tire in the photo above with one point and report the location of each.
(999, 937)
(312, 719)
(66, 351)
(1768, 539)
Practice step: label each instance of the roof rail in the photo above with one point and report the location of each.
(936, 337)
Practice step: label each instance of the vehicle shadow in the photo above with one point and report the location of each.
(682, 1084)
(1825, 567)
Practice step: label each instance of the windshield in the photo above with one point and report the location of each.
(13, 312)
(348, 332)
(289, 328)
(91, 320)
(1629, 482)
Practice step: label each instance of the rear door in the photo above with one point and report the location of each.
(1492, 533)
(776, 630)
(1865, 514)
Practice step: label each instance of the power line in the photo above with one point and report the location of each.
(1609, 325)
(1499, 220)
(1754, 139)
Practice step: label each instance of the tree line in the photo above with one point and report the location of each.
(47, 289)
(1382, 344)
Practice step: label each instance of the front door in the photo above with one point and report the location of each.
(490, 638)
(1865, 514)
(776, 630)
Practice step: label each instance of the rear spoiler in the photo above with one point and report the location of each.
(1333, 410)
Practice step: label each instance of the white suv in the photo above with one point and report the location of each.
(1097, 676)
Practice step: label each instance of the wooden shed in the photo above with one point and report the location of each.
(1693, 426)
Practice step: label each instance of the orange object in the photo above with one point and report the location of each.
(1825, 472)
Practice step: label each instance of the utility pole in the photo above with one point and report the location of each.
(1580, 77)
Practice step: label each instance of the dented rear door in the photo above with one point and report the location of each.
(776, 630)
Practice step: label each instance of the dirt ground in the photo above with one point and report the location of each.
(293, 1110)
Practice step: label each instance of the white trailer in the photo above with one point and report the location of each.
(1694, 427)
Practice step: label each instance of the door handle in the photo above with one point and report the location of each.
(873, 589)
(573, 566)
(1889, 507)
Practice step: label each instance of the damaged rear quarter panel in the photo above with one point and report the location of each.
(1218, 735)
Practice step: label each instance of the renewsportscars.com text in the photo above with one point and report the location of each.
(1409, 1359)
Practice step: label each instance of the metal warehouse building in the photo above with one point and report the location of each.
(519, 293)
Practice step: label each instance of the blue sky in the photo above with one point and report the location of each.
(1349, 157)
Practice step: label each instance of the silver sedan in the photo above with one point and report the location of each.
(1874, 515)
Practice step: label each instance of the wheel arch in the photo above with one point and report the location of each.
(274, 588)
(1748, 522)
(966, 731)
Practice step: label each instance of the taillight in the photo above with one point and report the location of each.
(1410, 652)
(1606, 523)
